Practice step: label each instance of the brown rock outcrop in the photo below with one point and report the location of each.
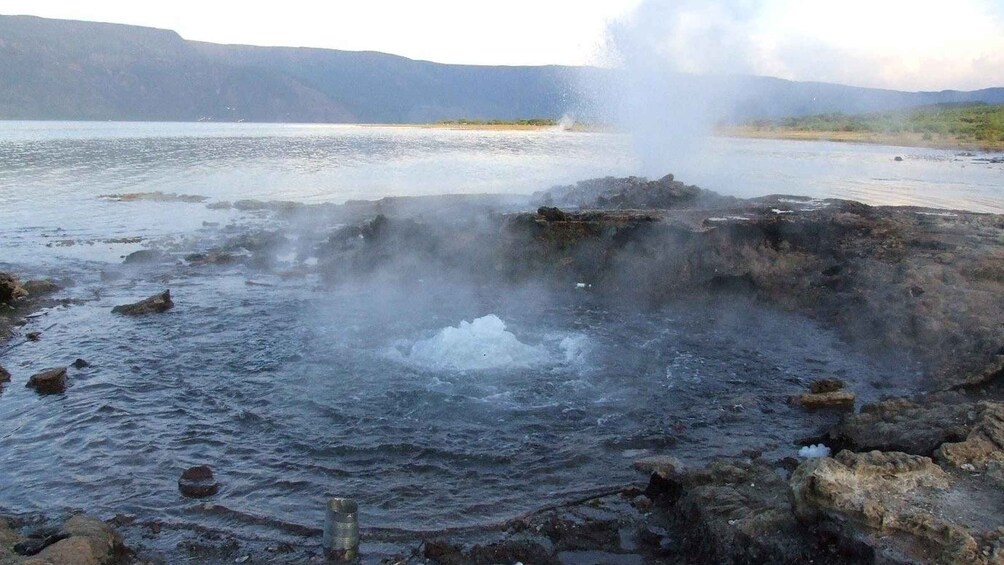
(155, 304)
(49, 381)
(91, 542)
(903, 506)
(983, 448)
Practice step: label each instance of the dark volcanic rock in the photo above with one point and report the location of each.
(155, 304)
(826, 385)
(444, 553)
(914, 426)
(198, 482)
(739, 511)
(631, 193)
(81, 364)
(50, 381)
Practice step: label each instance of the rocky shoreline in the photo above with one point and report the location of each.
(909, 480)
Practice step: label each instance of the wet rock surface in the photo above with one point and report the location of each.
(198, 482)
(153, 305)
(49, 381)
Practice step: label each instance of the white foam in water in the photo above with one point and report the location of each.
(480, 344)
(814, 451)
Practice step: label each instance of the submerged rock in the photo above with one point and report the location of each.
(50, 381)
(198, 482)
(155, 304)
(81, 364)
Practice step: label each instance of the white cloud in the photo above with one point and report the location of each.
(901, 44)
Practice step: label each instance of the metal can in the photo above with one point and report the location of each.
(341, 529)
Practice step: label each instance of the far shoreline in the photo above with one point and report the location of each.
(905, 139)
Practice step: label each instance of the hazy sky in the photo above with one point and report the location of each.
(902, 44)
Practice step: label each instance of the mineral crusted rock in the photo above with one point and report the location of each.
(152, 305)
(904, 506)
(49, 381)
(983, 448)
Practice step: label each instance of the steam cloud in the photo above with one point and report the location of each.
(672, 59)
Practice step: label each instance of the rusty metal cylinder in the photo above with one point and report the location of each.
(341, 530)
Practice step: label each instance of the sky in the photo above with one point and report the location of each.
(899, 44)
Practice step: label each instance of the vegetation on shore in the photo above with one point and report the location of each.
(968, 126)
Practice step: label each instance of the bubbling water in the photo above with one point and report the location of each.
(481, 344)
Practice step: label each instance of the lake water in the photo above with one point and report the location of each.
(294, 390)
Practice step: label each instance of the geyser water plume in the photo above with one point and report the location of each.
(483, 343)
(674, 63)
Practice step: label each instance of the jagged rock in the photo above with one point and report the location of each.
(823, 386)
(841, 399)
(904, 506)
(198, 482)
(738, 511)
(983, 448)
(4, 375)
(915, 426)
(49, 381)
(152, 305)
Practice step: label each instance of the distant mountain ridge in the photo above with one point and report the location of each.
(70, 70)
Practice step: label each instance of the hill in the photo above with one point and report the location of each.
(69, 70)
